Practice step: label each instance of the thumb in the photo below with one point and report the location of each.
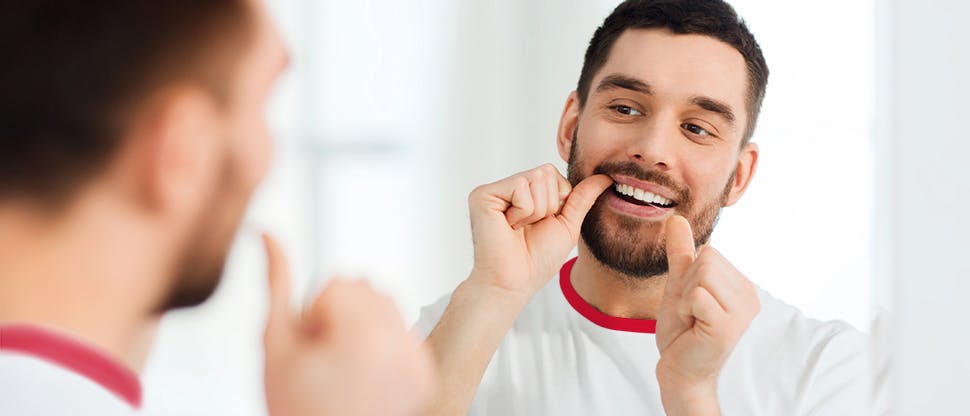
(278, 274)
(581, 199)
(680, 252)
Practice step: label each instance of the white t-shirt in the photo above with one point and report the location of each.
(47, 373)
(564, 357)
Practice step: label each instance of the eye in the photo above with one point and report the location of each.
(695, 129)
(626, 110)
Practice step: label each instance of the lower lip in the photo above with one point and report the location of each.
(634, 210)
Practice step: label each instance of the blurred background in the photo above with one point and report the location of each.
(392, 111)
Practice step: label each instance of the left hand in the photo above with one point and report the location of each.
(349, 354)
(707, 306)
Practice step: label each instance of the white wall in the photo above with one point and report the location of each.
(802, 231)
(924, 189)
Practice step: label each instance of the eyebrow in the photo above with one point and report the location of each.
(627, 82)
(624, 82)
(714, 106)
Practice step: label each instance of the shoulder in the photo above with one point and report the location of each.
(789, 326)
(809, 366)
(28, 385)
(821, 357)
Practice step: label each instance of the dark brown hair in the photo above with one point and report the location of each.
(73, 71)
(713, 18)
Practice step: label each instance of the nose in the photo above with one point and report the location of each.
(653, 146)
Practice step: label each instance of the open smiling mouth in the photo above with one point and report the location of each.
(641, 197)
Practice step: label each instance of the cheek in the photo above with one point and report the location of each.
(252, 149)
(707, 179)
(599, 142)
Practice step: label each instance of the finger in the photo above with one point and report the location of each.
(581, 199)
(538, 189)
(714, 273)
(565, 188)
(316, 315)
(552, 191)
(278, 275)
(354, 299)
(680, 252)
(701, 306)
(516, 191)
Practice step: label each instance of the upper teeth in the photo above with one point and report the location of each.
(641, 195)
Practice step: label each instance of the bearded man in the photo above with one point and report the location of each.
(649, 319)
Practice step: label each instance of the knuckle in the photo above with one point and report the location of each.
(476, 193)
(336, 285)
(697, 294)
(747, 289)
(388, 305)
(704, 253)
(756, 306)
(541, 207)
(526, 208)
(704, 268)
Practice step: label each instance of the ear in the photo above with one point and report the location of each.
(567, 126)
(747, 165)
(177, 148)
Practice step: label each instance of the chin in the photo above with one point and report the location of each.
(192, 291)
(199, 272)
(627, 246)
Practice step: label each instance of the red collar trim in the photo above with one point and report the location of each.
(647, 326)
(71, 354)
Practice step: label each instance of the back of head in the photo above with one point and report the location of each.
(713, 18)
(74, 72)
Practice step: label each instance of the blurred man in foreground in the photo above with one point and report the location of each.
(132, 135)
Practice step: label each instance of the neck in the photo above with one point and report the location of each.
(614, 293)
(84, 273)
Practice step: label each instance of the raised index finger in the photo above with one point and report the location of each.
(279, 284)
(680, 251)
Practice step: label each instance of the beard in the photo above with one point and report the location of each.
(199, 266)
(634, 247)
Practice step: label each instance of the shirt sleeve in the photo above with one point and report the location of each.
(839, 382)
(429, 317)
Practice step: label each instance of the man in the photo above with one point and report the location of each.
(133, 134)
(649, 319)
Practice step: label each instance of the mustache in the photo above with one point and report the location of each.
(655, 176)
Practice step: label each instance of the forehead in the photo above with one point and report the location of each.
(680, 66)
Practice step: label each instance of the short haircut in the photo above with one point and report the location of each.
(74, 70)
(713, 18)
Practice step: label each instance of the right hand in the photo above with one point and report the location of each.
(520, 233)
(348, 354)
